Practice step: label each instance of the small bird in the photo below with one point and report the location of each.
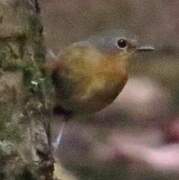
(88, 75)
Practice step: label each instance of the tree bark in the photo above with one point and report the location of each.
(25, 148)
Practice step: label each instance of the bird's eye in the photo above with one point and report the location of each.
(122, 43)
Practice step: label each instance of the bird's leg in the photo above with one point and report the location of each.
(67, 115)
(57, 141)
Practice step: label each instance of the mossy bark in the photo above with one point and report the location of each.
(25, 150)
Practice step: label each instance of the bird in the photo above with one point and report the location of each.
(88, 75)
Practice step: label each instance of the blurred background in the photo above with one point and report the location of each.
(136, 137)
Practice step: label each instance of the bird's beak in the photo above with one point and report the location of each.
(145, 48)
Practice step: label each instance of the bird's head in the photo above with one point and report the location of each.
(118, 44)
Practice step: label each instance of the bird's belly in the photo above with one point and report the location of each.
(94, 93)
(89, 86)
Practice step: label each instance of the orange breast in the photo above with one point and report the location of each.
(90, 81)
(100, 85)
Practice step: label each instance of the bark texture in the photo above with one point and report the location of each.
(25, 151)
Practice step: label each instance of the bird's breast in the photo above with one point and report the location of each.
(104, 85)
(90, 85)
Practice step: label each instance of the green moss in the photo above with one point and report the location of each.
(6, 149)
(23, 52)
(26, 174)
(33, 33)
(9, 130)
(10, 55)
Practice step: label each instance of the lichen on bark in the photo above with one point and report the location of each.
(25, 148)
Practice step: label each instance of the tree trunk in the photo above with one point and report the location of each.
(25, 150)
